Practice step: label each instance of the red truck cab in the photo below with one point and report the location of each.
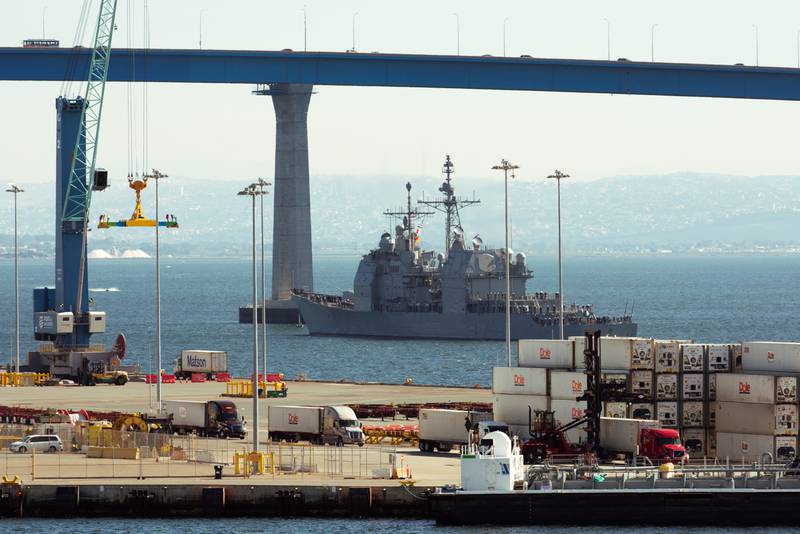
(662, 444)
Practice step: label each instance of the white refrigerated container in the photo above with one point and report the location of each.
(770, 357)
(666, 387)
(745, 418)
(693, 414)
(712, 386)
(743, 447)
(719, 358)
(667, 356)
(692, 358)
(513, 409)
(616, 410)
(642, 354)
(692, 387)
(643, 410)
(785, 419)
(641, 382)
(786, 389)
(566, 385)
(549, 353)
(754, 389)
(519, 380)
(785, 448)
(565, 411)
(667, 413)
(694, 440)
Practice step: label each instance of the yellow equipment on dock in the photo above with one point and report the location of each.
(244, 388)
(23, 379)
(138, 218)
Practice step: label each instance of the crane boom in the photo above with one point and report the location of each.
(78, 197)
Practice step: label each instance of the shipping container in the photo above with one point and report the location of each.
(642, 410)
(785, 419)
(667, 356)
(694, 440)
(622, 434)
(549, 353)
(745, 418)
(565, 411)
(693, 414)
(519, 381)
(743, 447)
(712, 386)
(666, 387)
(754, 389)
(642, 383)
(566, 385)
(513, 409)
(667, 414)
(712, 414)
(616, 353)
(711, 443)
(719, 358)
(785, 448)
(615, 409)
(206, 362)
(692, 387)
(786, 389)
(770, 357)
(692, 358)
(642, 357)
(736, 358)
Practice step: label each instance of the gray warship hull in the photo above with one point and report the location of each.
(321, 319)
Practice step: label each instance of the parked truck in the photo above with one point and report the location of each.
(206, 418)
(335, 425)
(640, 437)
(205, 362)
(441, 430)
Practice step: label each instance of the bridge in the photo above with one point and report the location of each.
(289, 77)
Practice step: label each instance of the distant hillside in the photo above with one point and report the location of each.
(680, 212)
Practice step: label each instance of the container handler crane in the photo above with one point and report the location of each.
(61, 313)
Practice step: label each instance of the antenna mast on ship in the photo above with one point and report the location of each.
(450, 204)
(409, 215)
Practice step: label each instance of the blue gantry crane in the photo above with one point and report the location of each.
(61, 314)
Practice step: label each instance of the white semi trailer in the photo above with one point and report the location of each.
(441, 430)
(336, 425)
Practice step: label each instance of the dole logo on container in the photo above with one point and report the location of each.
(577, 386)
(770, 356)
(519, 380)
(577, 413)
(293, 419)
(544, 353)
(744, 388)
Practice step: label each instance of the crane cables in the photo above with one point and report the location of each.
(72, 62)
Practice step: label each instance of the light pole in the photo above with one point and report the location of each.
(505, 24)
(558, 176)
(156, 176)
(652, 42)
(798, 49)
(354, 30)
(44, 11)
(13, 188)
(201, 28)
(262, 185)
(505, 166)
(252, 192)
(755, 27)
(458, 34)
(305, 30)
(608, 38)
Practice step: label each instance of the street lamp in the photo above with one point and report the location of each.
(44, 12)
(505, 166)
(798, 49)
(354, 30)
(458, 34)
(558, 176)
(252, 191)
(608, 39)
(305, 30)
(262, 185)
(652, 41)
(157, 176)
(13, 188)
(201, 28)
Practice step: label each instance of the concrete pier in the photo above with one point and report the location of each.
(291, 234)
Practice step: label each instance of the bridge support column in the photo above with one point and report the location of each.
(292, 261)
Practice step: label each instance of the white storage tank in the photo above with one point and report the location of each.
(754, 389)
(519, 381)
(770, 357)
(692, 358)
(743, 447)
(550, 353)
(513, 409)
(566, 385)
(666, 387)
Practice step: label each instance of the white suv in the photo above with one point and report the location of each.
(40, 443)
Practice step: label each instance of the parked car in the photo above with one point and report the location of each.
(40, 443)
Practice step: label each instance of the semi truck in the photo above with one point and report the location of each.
(334, 425)
(441, 430)
(206, 418)
(205, 362)
(640, 437)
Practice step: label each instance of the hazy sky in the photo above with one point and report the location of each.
(219, 131)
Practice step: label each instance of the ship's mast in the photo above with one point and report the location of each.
(449, 204)
(408, 216)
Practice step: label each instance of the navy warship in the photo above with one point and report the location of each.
(401, 291)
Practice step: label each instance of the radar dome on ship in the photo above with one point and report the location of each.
(521, 258)
(387, 243)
